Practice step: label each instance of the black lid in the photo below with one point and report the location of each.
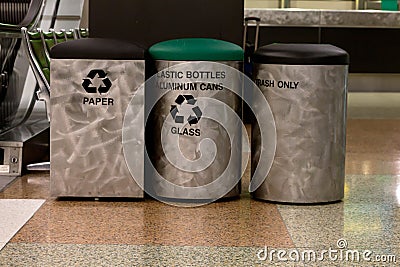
(97, 48)
(301, 54)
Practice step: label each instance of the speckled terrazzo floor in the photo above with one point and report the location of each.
(232, 233)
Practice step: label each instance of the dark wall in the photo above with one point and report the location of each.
(151, 21)
(272, 34)
(371, 50)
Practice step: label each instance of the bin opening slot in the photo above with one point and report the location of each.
(1, 156)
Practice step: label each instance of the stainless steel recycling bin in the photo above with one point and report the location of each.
(191, 126)
(92, 83)
(306, 87)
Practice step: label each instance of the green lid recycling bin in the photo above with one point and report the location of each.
(193, 132)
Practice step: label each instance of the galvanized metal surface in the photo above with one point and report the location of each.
(325, 18)
(310, 122)
(86, 140)
(192, 147)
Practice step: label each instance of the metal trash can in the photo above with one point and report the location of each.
(182, 110)
(92, 83)
(306, 87)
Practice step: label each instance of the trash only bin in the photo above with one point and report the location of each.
(92, 83)
(306, 87)
(191, 76)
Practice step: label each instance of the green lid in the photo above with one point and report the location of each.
(196, 49)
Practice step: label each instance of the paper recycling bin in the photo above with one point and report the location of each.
(306, 87)
(183, 104)
(92, 82)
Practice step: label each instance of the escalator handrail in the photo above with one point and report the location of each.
(30, 20)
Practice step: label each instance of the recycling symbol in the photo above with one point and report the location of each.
(195, 112)
(87, 83)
